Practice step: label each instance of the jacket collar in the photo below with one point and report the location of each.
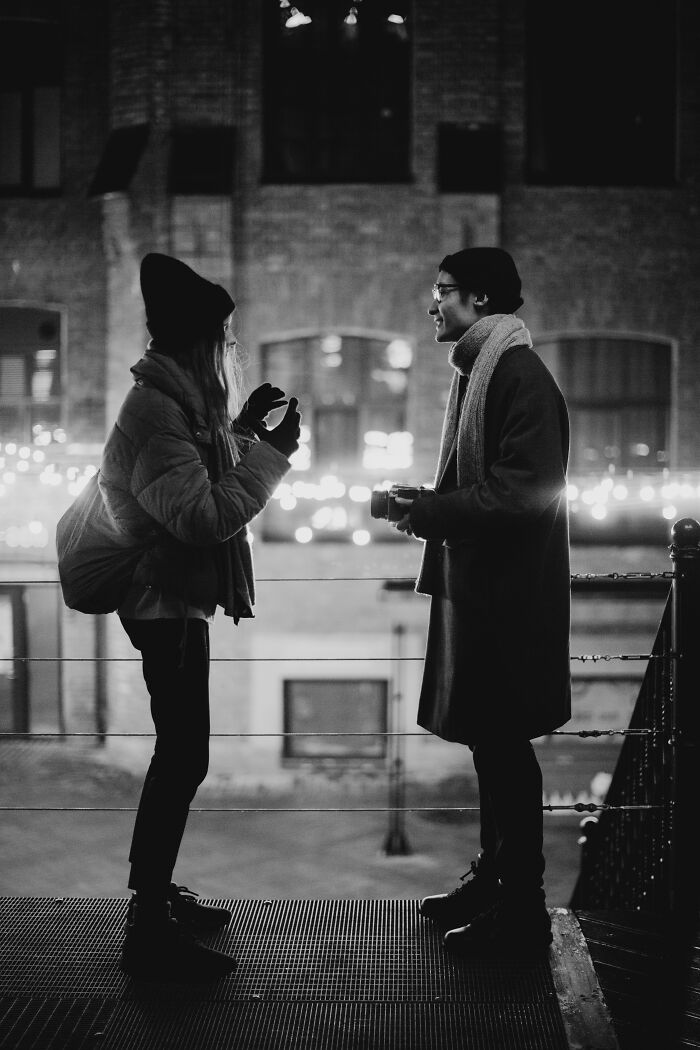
(164, 373)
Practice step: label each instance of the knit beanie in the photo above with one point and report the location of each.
(180, 305)
(489, 270)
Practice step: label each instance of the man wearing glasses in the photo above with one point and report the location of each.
(496, 564)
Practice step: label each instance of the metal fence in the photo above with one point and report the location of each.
(638, 854)
(633, 851)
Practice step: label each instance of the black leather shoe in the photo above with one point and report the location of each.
(464, 903)
(507, 929)
(200, 918)
(163, 950)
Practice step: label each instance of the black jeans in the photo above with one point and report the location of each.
(510, 796)
(178, 684)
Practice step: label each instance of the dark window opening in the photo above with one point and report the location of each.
(120, 160)
(336, 91)
(201, 161)
(469, 158)
(335, 706)
(30, 106)
(601, 93)
(30, 372)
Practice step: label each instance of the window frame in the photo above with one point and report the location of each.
(311, 404)
(288, 754)
(541, 341)
(555, 168)
(26, 88)
(273, 161)
(62, 399)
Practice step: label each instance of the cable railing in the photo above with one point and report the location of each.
(630, 855)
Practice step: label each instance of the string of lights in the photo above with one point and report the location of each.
(311, 507)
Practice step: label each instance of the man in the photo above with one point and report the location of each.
(496, 563)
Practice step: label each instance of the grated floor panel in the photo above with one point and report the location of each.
(337, 974)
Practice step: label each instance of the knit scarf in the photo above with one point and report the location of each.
(236, 579)
(475, 355)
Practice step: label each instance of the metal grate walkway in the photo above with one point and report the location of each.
(312, 975)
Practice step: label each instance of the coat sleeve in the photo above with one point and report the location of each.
(170, 482)
(527, 475)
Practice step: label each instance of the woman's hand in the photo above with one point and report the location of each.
(261, 402)
(285, 436)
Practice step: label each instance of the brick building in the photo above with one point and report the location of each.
(319, 161)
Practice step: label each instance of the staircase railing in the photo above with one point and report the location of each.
(643, 858)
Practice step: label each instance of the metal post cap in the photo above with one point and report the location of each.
(686, 533)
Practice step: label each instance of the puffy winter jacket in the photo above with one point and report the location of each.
(163, 464)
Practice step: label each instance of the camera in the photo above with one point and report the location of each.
(383, 503)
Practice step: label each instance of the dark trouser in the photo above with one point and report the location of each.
(510, 792)
(179, 690)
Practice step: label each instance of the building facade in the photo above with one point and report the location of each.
(319, 160)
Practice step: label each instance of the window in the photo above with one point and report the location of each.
(30, 380)
(619, 394)
(354, 389)
(120, 160)
(14, 705)
(336, 91)
(601, 93)
(335, 706)
(30, 106)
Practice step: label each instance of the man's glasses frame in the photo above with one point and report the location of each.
(440, 289)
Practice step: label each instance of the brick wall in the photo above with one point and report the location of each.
(338, 257)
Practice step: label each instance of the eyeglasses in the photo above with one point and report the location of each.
(439, 291)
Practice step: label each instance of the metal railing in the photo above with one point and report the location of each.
(633, 853)
(636, 859)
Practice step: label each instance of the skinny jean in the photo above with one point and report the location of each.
(178, 684)
(510, 799)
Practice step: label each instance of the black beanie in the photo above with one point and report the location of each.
(489, 270)
(180, 304)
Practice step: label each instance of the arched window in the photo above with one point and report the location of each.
(353, 392)
(618, 389)
(353, 389)
(30, 372)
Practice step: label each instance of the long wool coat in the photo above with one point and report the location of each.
(496, 563)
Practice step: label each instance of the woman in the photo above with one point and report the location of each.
(177, 468)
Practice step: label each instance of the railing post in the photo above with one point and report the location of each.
(396, 841)
(684, 738)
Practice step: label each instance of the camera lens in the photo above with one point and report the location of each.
(379, 504)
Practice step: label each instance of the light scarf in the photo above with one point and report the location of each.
(476, 355)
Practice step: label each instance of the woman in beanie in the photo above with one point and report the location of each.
(496, 563)
(183, 466)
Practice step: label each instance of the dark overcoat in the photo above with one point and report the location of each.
(496, 562)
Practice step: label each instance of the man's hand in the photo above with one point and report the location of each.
(258, 406)
(404, 524)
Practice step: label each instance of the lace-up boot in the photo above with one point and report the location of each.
(478, 890)
(158, 948)
(200, 918)
(512, 927)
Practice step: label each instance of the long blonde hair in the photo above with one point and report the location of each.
(212, 360)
